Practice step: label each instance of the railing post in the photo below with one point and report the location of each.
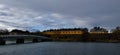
(20, 40)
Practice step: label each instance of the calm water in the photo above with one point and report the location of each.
(61, 48)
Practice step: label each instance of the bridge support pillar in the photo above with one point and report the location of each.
(19, 41)
(35, 40)
(2, 41)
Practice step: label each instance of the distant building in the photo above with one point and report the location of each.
(74, 34)
(98, 30)
(78, 31)
(116, 30)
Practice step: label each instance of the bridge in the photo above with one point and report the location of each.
(21, 38)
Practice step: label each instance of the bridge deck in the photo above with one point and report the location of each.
(22, 36)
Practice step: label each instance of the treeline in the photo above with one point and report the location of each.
(18, 32)
(93, 30)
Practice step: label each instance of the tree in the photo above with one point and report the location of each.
(4, 31)
(16, 31)
(116, 31)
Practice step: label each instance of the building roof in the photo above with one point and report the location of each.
(69, 29)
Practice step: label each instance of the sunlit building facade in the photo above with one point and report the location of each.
(63, 32)
(66, 34)
(116, 30)
(98, 30)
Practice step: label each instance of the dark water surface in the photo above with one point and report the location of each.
(61, 48)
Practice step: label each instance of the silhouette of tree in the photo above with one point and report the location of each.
(16, 31)
(117, 30)
(4, 32)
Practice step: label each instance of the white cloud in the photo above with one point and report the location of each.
(56, 15)
(13, 17)
(79, 22)
(39, 14)
(2, 6)
(16, 17)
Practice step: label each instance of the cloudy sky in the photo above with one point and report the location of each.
(47, 14)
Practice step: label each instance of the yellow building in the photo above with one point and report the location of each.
(71, 32)
(98, 30)
(64, 32)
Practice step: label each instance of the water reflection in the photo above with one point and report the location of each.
(61, 48)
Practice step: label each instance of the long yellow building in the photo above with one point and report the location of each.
(65, 32)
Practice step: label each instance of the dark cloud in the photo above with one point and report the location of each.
(78, 13)
(75, 7)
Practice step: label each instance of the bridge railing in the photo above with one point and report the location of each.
(21, 38)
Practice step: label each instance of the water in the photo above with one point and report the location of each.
(61, 48)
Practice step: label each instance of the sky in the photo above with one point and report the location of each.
(53, 14)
